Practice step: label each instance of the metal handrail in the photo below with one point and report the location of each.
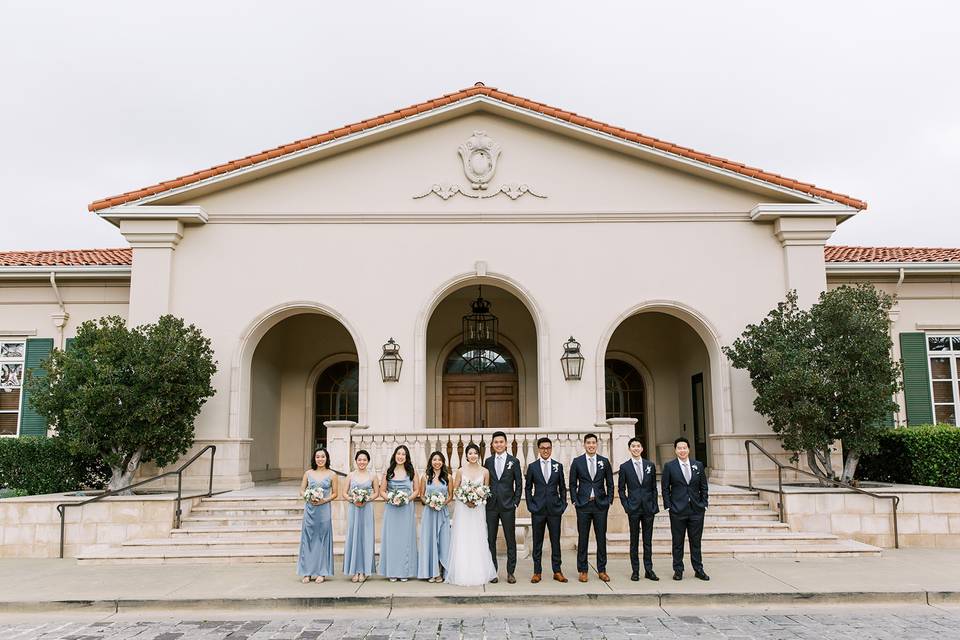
(780, 467)
(62, 507)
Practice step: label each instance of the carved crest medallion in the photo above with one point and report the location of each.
(479, 155)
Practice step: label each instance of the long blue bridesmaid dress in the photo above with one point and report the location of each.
(358, 550)
(434, 535)
(316, 537)
(398, 538)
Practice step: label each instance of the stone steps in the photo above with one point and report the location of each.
(265, 528)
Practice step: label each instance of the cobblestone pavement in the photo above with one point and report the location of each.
(859, 625)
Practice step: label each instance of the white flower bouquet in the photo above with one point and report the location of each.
(472, 493)
(314, 493)
(435, 501)
(398, 497)
(359, 496)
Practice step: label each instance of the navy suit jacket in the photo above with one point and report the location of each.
(682, 498)
(543, 497)
(635, 497)
(581, 484)
(505, 492)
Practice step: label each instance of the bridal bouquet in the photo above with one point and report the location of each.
(398, 497)
(472, 493)
(435, 501)
(313, 493)
(359, 496)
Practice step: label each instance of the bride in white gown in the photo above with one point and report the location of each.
(470, 561)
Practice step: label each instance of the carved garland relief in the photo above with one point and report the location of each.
(479, 155)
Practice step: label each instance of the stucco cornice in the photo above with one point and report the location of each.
(771, 212)
(478, 217)
(184, 214)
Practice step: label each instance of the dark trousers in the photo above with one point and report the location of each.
(587, 515)
(636, 521)
(509, 520)
(552, 523)
(691, 525)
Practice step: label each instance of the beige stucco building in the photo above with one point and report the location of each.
(300, 263)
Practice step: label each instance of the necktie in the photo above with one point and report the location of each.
(686, 471)
(545, 467)
(592, 464)
(499, 466)
(639, 468)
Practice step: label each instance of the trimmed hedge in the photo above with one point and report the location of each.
(927, 455)
(32, 465)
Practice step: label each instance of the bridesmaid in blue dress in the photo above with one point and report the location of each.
(316, 537)
(358, 550)
(398, 538)
(434, 524)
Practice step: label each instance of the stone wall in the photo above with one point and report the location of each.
(927, 517)
(30, 526)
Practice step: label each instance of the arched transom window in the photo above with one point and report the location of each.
(337, 396)
(480, 361)
(625, 393)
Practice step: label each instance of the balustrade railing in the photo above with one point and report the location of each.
(567, 444)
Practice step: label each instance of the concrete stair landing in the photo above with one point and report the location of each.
(263, 525)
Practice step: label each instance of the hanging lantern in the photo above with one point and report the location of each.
(572, 360)
(391, 362)
(480, 327)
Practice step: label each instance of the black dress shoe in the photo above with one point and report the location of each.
(701, 575)
(635, 576)
(650, 575)
(678, 575)
(495, 580)
(511, 579)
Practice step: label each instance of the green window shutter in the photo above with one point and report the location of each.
(916, 378)
(69, 344)
(38, 350)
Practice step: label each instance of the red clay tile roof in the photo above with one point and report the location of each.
(491, 92)
(66, 258)
(890, 254)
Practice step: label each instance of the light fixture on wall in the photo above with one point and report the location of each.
(572, 360)
(480, 327)
(391, 362)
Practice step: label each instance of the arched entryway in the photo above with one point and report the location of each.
(494, 386)
(660, 368)
(304, 369)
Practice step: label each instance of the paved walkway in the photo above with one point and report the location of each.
(841, 625)
(906, 576)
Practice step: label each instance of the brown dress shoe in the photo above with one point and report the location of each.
(559, 577)
(583, 576)
(511, 579)
(603, 576)
(535, 579)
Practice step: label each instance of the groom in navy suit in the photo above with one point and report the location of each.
(591, 492)
(637, 485)
(686, 495)
(546, 493)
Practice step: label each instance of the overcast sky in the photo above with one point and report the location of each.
(98, 98)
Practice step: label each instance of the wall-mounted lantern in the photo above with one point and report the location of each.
(391, 362)
(572, 360)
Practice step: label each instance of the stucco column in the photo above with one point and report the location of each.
(623, 430)
(153, 243)
(338, 443)
(803, 239)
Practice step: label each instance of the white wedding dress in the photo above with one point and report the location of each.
(470, 561)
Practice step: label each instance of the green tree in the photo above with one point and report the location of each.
(127, 395)
(823, 375)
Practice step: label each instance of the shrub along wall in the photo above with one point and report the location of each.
(36, 465)
(927, 455)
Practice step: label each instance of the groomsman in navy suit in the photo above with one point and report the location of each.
(591, 492)
(506, 489)
(686, 495)
(546, 492)
(637, 485)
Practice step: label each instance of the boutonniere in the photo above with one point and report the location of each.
(694, 467)
(556, 467)
(509, 464)
(599, 464)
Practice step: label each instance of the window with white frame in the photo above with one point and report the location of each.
(11, 385)
(944, 354)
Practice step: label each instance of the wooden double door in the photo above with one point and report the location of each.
(486, 400)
